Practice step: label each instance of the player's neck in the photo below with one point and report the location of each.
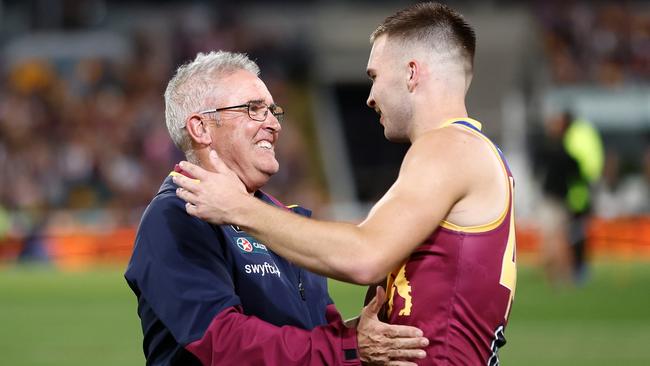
(427, 120)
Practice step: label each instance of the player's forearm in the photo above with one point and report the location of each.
(339, 250)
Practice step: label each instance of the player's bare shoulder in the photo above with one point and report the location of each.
(437, 164)
(476, 165)
(450, 149)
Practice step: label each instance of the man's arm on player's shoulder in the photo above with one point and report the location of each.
(432, 178)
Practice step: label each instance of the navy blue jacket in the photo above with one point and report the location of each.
(215, 295)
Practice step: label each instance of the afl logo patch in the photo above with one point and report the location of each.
(244, 245)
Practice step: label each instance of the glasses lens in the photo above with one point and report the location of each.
(258, 111)
(277, 111)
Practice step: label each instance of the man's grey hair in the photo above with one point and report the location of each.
(193, 83)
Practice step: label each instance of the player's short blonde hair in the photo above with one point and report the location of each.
(431, 25)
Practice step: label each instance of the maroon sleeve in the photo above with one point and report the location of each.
(233, 338)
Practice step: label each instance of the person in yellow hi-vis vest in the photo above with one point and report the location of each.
(583, 143)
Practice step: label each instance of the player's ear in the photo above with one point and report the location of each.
(198, 130)
(413, 75)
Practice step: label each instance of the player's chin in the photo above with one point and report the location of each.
(393, 136)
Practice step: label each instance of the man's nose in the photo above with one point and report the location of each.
(272, 123)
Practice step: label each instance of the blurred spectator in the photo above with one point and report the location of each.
(557, 169)
(583, 143)
(571, 162)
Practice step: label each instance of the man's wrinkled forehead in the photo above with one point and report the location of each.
(243, 86)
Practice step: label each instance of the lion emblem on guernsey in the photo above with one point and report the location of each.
(397, 282)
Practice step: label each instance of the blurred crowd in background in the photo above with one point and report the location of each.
(596, 42)
(83, 142)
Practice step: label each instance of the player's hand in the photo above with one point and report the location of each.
(213, 195)
(385, 344)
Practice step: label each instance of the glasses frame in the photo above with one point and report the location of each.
(273, 108)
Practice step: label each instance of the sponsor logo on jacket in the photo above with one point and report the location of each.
(262, 269)
(249, 245)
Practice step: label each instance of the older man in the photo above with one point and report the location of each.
(215, 295)
(444, 232)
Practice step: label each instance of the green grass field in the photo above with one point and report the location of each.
(88, 318)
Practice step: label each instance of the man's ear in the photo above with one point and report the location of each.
(198, 130)
(413, 75)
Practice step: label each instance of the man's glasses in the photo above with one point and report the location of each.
(257, 110)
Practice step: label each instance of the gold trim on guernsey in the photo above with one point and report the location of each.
(494, 224)
(177, 174)
(471, 121)
(292, 206)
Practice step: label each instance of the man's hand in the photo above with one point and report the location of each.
(213, 194)
(385, 344)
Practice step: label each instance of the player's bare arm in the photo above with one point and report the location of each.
(362, 253)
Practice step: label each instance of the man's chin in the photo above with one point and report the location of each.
(258, 179)
(270, 168)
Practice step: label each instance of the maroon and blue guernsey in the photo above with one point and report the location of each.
(214, 295)
(458, 285)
